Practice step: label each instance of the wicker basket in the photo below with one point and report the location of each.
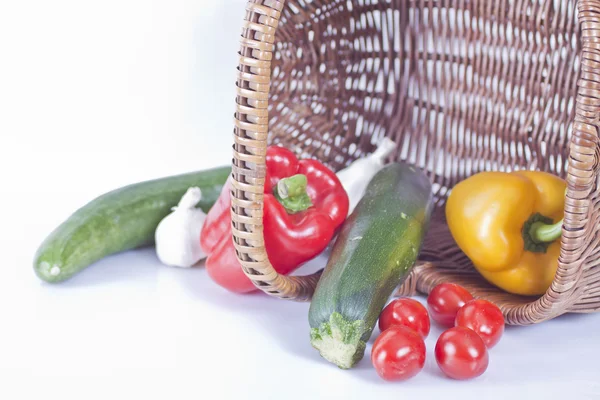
(461, 86)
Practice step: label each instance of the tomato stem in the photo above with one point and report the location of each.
(291, 193)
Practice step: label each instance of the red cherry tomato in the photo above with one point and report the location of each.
(445, 300)
(461, 354)
(398, 353)
(485, 318)
(406, 312)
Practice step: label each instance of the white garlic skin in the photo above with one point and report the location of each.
(356, 177)
(178, 234)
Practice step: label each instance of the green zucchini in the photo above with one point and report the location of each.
(120, 220)
(375, 250)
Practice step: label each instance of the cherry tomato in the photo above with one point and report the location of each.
(461, 354)
(485, 318)
(406, 312)
(398, 353)
(445, 300)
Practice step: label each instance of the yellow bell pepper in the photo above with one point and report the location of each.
(509, 224)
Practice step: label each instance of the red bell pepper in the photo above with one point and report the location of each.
(304, 204)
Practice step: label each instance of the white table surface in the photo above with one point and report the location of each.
(96, 95)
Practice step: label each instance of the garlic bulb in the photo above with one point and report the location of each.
(357, 175)
(178, 234)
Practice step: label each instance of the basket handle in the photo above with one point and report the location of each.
(249, 154)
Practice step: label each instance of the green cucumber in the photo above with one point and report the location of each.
(120, 220)
(375, 250)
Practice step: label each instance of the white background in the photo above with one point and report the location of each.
(95, 95)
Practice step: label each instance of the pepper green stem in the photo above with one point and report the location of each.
(539, 232)
(542, 233)
(291, 193)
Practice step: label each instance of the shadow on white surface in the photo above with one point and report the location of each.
(140, 266)
(542, 348)
(286, 322)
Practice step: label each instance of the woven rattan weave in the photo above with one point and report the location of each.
(462, 86)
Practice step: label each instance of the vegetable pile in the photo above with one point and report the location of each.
(373, 216)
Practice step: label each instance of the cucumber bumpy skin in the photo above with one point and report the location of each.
(120, 220)
(374, 252)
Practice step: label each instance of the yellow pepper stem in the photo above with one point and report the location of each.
(539, 232)
(542, 233)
